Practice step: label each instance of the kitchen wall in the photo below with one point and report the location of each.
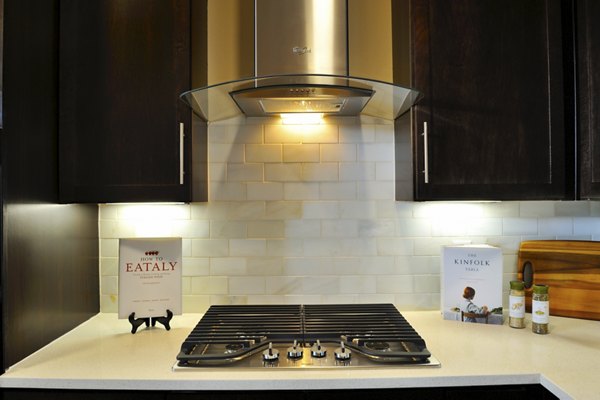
(306, 214)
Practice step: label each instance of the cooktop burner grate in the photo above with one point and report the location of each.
(228, 334)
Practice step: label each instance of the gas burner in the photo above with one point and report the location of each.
(378, 346)
(298, 336)
(233, 347)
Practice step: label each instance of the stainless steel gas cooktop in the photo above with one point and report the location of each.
(304, 336)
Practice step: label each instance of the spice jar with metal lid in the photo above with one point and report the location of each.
(540, 309)
(516, 302)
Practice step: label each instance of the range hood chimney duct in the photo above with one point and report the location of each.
(301, 65)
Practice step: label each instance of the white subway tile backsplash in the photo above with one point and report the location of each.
(109, 303)
(226, 153)
(385, 171)
(321, 209)
(210, 247)
(283, 285)
(519, 226)
(301, 153)
(307, 266)
(358, 284)
(376, 152)
(288, 172)
(283, 210)
(323, 133)
(359, 209)
(264, 191)
(264, 153)
(247, 285)
(338, 190)
(266, 229)
(285, 247)
(245, 210)
(485, 227)
(186, 247)
(264, 266)
(301, 191)
(147, 212)
(357, 133)
(319, 285)
(308, 215)
(217, 171)
(322, 172)
(555, 226)
(183, 228)
(408, 227)
(426, 283)
(395, 246)
(203, 285)
(376, 190)
(109, 266)
(247, 247)
(236, 134)
(196, 303)
(220, 229)
(339, 228)
(227, 191)
(572, 208)
(376, 228)
(302, 228)
(195, 266)
(109, 247)
(395, 284)
(245, 172)
(384, 134)
(109, 284)
(586, 226)
(537, 209)
(338, 152)
(357, 171)
(227, 266)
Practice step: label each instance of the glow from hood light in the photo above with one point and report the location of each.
(302, 119)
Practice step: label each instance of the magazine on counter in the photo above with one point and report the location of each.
(471, 283)
(149, 277)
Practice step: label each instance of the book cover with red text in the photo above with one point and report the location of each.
(150, 277)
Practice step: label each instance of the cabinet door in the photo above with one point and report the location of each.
(588, 89)
(123, 65)
(492, 78)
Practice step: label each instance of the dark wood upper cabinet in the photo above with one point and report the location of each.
(588, 95)
(491, 73)
(122, 67)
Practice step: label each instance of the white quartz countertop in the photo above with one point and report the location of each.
(103, 354)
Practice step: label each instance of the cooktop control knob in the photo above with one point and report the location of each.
(294, 351)
(317, 350)
(270, 354)
(342, 353)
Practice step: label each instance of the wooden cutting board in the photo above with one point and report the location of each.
(572, 271)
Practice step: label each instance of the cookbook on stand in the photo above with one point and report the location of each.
(150, 277)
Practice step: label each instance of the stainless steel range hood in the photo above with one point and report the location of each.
(301, 65)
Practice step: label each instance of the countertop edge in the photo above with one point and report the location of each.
(295, 383)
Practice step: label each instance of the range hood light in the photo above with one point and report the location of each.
(302, 118)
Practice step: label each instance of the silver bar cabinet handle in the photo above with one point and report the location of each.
(181, 136)
(425, 153)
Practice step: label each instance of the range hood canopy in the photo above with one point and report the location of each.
(274, 95)
(301, 63)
